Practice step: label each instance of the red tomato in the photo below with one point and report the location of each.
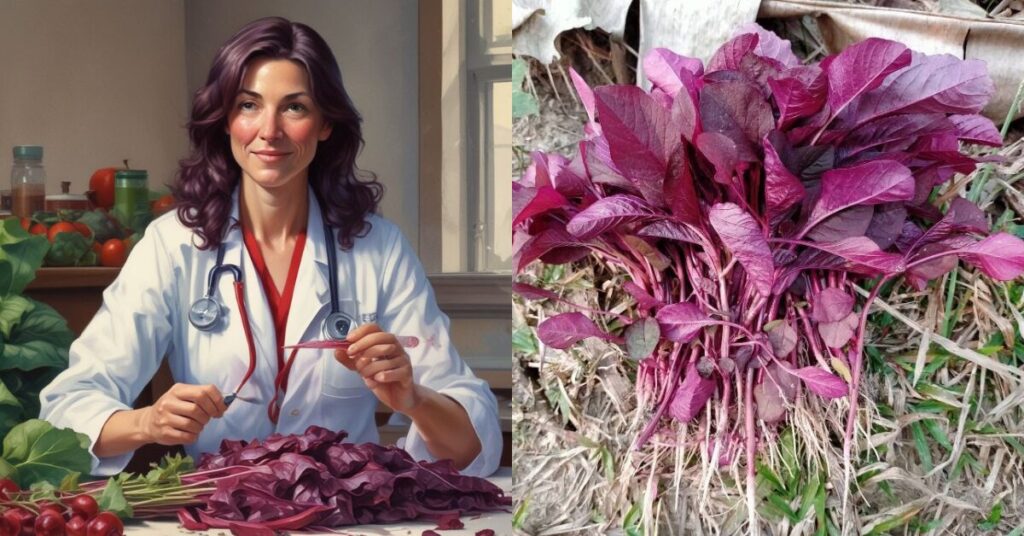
(26, 223)
(84, 506)
(101, 184)
(61, 227)
(39, 229)
(98, 248)
(83, 229)
(163, 204)
(113, 253)
(49, 523)
(76, 526)
(105, 524)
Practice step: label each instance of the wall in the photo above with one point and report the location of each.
(375, 43)
(93, 83)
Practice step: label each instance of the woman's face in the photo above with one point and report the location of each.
(274, 124)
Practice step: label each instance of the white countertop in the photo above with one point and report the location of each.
(499, 522)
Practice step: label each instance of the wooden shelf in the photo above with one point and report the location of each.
(74, 277)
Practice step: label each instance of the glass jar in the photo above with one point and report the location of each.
(131, 198)
(28, 181)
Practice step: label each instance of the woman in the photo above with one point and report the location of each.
(271, 188)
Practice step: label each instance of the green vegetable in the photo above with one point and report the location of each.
(67, 249)
(103, 227)
(35, 451)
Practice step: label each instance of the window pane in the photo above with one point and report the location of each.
(494, 236)
(501, 21)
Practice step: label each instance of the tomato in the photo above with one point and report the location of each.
(19, 521)
(105, 524)
(101, 187)
(49, 523)
(84, 506)
(113, 253)
(76, 526)
(163, 204)
(61, 227)
(38, 228)
(26, 223)
(7, 485)
(98, 248)
(83, 229)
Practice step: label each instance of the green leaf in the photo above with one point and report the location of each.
(41, 452)
(42, 339)
(923, 452)
(938, 433)
(994, 517)
(519, 516)
(632, 520)
(67, 249)
(22, 253)
(12, 308)
(70, 482)
(8, 471)
(642, 338)
(11, 410)
(113, 500)
(524, 341)
(43, 491)
(523, 103)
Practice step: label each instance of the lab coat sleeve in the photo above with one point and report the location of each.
(118, 352)
(408, 307)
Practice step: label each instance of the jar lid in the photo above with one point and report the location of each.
(131, 174)
(28, 152)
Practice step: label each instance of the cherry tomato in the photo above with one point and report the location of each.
(38, 228)
(60, 227)
(83, 229)
(8, 487)
(105, 524)
(84, 506)
(113, 253)
(26, 223)
(49, 523)
(76, 526)
(20, 520)
(59, 509)
(163, 204)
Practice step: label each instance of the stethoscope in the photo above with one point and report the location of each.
(206, 314)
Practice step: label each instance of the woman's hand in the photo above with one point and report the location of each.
(382, 362)
(181, 413)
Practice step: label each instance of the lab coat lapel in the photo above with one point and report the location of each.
(311, 297)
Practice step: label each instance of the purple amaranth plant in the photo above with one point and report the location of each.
(744, 199)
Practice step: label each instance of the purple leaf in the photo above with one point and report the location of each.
(729, 56)
(782, 189)
(531, 292)
(671, 72)
(609, 213)
(680, 322)
(831, 305)
(886, 224)
(656, 258)
(846, 223)
(736, 109)
(860, 68)
(564, 330)
(837, 334)
(641, 136)
(963, 216)
(864, 253)
(1000, 256)
(680, 191)
(942, 83)
(573, 180)
(744, 238)
(642, 297)
(721, 151)
(583, 90)
(770, 402)
(545, 242)
(598, 159)
(642, 338)
(770, 45)
(781, 336)
(541, 200)
(869, 183)
(975, 128)
(890, 129)
(671, 230)
(690, 395)
(822, 382)
(685, 114)
(799, 93)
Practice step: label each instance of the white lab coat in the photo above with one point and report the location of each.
(144, 317)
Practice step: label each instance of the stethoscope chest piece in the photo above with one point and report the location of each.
(204, 313)
(337, 325)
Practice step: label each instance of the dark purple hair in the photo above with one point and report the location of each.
(207, 178)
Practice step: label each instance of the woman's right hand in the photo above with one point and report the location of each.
(178, 416)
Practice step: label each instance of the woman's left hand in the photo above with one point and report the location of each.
(382, 362)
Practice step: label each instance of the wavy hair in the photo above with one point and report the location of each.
(207, 178)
